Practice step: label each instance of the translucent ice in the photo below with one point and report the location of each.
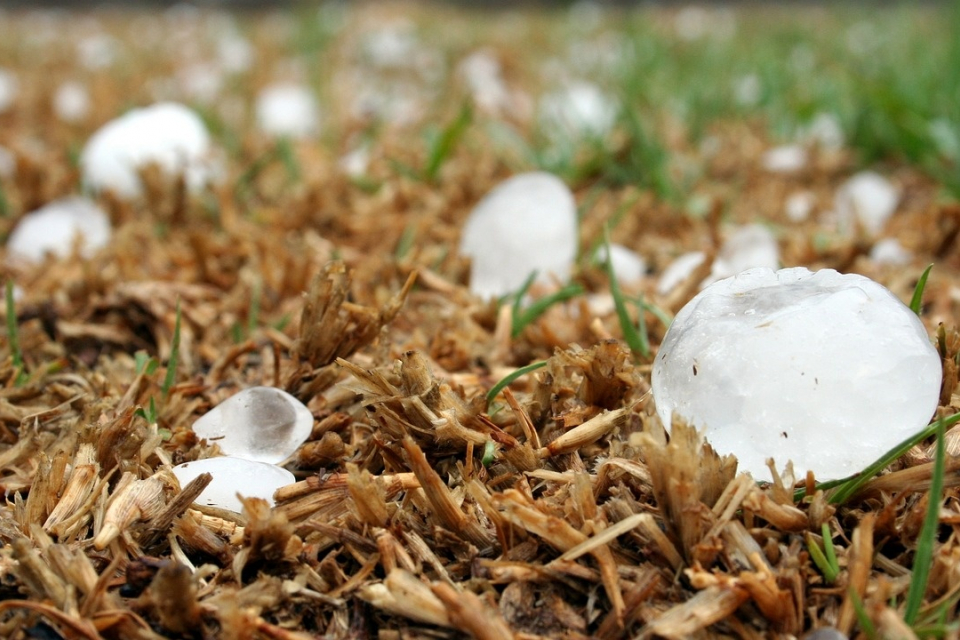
(785, 159)
(747, 247)
(580, 109)
(288, 109)
(628, 266)
(167, 134)
(679, 270)
(527, 223)
(260, 423)
(867, 198)
(54, 228)
(827, 370)
(231, 476)
(890, 251)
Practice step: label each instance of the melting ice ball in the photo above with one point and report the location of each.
(231, 476)
(868, 198)
(288, 109)
(260, 423)
(824, 369)
(166, 134)
(55, 227)
(527, 223)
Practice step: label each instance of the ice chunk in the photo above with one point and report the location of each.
(679, 270)
(580, 109)
(260, 423)
(890, 251)
(231, 476)
(71, 102)
(785, 159)
(749, 246)
(54, 227)
(628, 266)
(867, 198)
(482, 74)
(9, 88)
(824, 369)
(166, 134)
(798, 205)
(527, 223)
(288, 109)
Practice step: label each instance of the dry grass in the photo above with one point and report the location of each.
(589, 521)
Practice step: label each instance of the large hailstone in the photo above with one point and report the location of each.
(824, 369)
(288, 109)
(231, 476)
(55, 227)
(260, 423)
(166, 134)
(527, 223)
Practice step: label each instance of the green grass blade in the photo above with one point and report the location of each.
(444, 144)
(917, 300)
(539, 307)
(923, 558)
(829, 550)
(820, 559)
(521, 292)
(848, 487)
(635, 338)
(168, 380)
(405, 243)
(522, 371)
(489, 453)
(253, 313)
(866, 625)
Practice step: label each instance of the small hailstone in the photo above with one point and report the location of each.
(355, 163)
(9, 88)
(55, 227)
(679, 270)
(890, 251)
(788, 158)
(288, 109)
(747, 90)
(867, 198)
(527, 223)
(231, 476)
(580, 109)
(259, 423)
(824, 369)
(97, 51)
(799, 205)
(481, 71)
(628, 266)
(71, 102)
(8, 163)
(750, 246)
(825, 130)
(166, 134)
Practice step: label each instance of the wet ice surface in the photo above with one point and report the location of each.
(824, 369)
(527, 223)
(231, 476)
(55, 227)
(260, 423)
(166, 134)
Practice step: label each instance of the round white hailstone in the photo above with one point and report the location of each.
(628, 266)
(201, 81)
(355, 163)
(231, 476)
(867, 198)
(259, 423)
(749, 247)
(71, 102)
(288, 109)
(799, 205)
(580, 109)
(788, 158)
(234, 52)
(679, 270)
(747, 90)
(98, 51)
(527, 223)
(890, 251)
(826, 131)
(9, 88)
(481, 71)
(824, 369)
(55, 227)
(166, 134)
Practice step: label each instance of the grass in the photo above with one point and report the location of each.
(916, 302)
(524, 316)
(826, 558)
(508, 379)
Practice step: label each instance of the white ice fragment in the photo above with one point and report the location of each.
(288, 109)
(9, 88)
(628, 266)
(788, 158)
(97, 51)
(8, 163)
(482, 74)
(825, 130)
(231, 476)
(71, 102)
(679, 270)
(890, 251)
(166, 134)
(799, 205)
(259, 423)
(824, 369)
(579, 109)
(55, 227)
(867, 198)
(526, 223)
(355, 163)
(747, 90)
(748, 247)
